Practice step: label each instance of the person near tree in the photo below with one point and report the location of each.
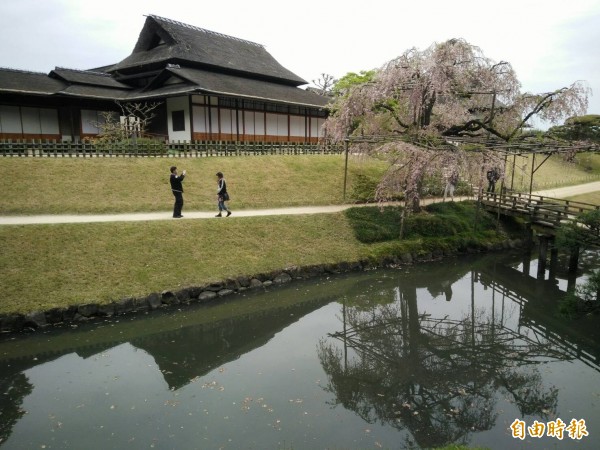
(493, 175)
(451, 185)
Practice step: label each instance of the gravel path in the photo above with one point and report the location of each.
(570, 191)
(138, 217)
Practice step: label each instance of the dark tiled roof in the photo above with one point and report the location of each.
(20, 81)
(231, 85)
(163, 40)
(97, 92)
(193, 80)
(210, 63)
(73, 76)
(163, 91)
(32, 83)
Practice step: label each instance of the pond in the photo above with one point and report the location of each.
(415, 357)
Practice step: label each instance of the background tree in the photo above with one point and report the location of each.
(109, 126)
(324, 84)
(142, 114)
(581, 128)
(132, 123)
(424, 98)
(343, 85)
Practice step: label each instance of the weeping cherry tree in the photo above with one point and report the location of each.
(410, 109)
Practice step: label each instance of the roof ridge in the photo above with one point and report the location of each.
(204, 30)
(92, 72)
(10, 69)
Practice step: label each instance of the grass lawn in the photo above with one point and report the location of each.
(590, 197)
(46, 266)
(555, 172)
(117, 185)
(57, 265)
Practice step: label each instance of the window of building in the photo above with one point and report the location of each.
(227, 102)
(178, 120)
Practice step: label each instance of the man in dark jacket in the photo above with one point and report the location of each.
(177, 188)
(493, 175)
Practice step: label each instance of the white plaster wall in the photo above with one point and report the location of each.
(316, 127)
(297, 126)
(178, 104)
(200, 119)
(10, 119)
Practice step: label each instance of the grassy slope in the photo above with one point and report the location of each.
(112, 185)
(59, 186)
(45, 266)
(56, 265)
(554, 172)
(592, 197)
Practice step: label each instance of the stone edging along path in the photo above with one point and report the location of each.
(13, 323)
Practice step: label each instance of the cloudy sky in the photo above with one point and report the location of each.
(550, 43)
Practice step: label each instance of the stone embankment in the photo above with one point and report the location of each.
(11, 323)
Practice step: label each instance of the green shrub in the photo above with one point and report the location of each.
(373, 224)
(572, 236)
(141, 145)
(465, 214)
(570, 306)
(439, 220)
(364, 188)
(584, 300)
(428, 225)
(591, 219)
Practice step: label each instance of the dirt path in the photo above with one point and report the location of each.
(138, 217)
(570, 191)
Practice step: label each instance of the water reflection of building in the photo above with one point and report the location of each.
(181, 353)
(194, 351)
(436, 375)
(439, 377)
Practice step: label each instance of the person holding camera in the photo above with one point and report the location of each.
(177, 189)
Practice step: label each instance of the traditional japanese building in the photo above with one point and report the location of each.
(210, 87)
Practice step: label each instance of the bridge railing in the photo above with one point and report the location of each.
(543, 210)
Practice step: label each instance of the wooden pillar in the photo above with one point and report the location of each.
(543, 257)
(553, 260)
(528, 249)
(571, 281)
(574, 260)
(528, 236)
(527, 261)
(572, 274)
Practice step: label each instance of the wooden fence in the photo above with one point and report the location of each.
(191, 149)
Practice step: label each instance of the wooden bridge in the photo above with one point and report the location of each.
(544, 216)
(545, 213)
(537, 311)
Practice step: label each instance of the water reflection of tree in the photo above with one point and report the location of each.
(14, 389)
(439, 378)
